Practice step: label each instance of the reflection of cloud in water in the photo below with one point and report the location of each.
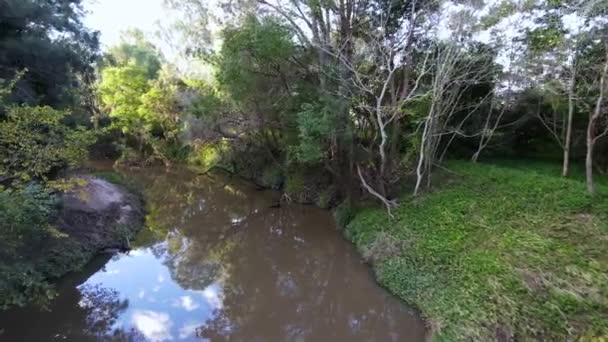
(235, 220)
(155, 326)
(188, 330)
(137, 252)
(214, 296)
(186, 303)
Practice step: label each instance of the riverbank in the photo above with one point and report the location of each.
(498, 253)
(85, 215)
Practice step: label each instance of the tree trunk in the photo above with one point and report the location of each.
(420, 170)
(485, 129)
(591, 129)
(566, 164)
(568, 141)
(589, 158)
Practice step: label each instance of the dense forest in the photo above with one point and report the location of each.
(374, 108)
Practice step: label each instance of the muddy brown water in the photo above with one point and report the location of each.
(216, 263)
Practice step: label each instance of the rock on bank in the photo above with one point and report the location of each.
(96, 216)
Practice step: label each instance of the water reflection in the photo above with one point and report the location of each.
(217, 263)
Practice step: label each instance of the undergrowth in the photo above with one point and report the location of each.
(504, 252)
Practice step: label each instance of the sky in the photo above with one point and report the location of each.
(111, 17)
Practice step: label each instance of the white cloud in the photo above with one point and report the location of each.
(188, 330)
(214, 296)
(155, 326)
(188, 304)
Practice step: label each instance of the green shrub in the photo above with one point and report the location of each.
(35, 143)
(344, 214)
(272, 177)
(26, 220)
(21, 284)
(206, 156)
(295, 184)
(325, 198)
(25, 216)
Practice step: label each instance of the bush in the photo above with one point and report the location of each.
(26, 217)
(206, 156)
(35, 143)
(326, 197)
(344, 214)
(272, 177)
(295, 185)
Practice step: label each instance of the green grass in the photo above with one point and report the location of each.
(499, 251)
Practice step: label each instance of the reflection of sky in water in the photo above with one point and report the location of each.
(158, 308)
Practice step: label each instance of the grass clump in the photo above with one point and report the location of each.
(503, 253)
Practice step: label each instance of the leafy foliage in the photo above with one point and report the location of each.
(315, 128)
(135, 49)
(48, 39)
(35, 143)
(26, 217)
(141, 101)
(25, 214)
(251, 51)
(509, 250)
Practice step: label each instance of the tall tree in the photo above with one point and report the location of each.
(48, 40)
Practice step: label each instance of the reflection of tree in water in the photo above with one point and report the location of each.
(265, 293)
(183, 200)
(81, 313)
(197, 263)
(281, 274)
(198, 217)
(287, 283)
(101, 308)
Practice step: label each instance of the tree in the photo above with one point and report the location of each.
(135, 49)
(597, 115)
(121, 89)
(554, 51)
(455, 71)
(139, 97)
(48, 39)
(255, 67)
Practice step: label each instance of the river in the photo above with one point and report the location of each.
(216, 262)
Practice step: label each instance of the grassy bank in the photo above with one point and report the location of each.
(503, 251)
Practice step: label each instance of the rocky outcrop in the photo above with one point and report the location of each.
(97, 216)
(100, 215)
